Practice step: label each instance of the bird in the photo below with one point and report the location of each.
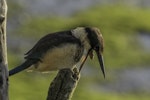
(64, 49)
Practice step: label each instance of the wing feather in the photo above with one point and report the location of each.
(50, 41)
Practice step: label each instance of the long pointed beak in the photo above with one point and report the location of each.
(101, 61)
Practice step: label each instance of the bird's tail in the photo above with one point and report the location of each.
(22, 67)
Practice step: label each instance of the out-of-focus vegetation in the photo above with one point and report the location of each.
(14, 9)
(120, 26)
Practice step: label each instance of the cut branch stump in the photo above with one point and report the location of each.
(63, 85)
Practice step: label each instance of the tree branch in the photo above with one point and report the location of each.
(64, 84)
(3, 52)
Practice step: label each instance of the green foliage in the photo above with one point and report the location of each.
(14, 9)
(88, 94)
(119, 26)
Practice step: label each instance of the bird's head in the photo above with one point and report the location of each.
(93, 41)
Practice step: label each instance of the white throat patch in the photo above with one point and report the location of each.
(81, 34)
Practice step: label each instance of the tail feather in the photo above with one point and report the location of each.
(22, 67)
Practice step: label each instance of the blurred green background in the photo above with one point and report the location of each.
(125, 26)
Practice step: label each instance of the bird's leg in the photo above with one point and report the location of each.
(91, 54)
(76, 74)
(85, 59)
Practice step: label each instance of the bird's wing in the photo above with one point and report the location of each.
(50, 41)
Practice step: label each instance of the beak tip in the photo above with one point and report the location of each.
(103, 71)
(101, 62)
(104, 75)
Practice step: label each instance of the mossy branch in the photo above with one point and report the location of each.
(63, 85)
(3, 52)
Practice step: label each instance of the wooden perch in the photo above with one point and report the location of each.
(3, 52)
(64, 84)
